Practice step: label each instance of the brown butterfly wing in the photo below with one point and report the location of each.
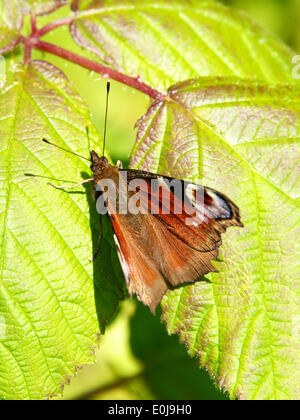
(215, 212)
(152, 257)
(136, 240)
(157, 250)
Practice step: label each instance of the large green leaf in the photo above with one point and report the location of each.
(241, 138)
(166, 42)
(48, 321)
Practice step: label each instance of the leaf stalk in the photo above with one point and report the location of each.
(34, 41)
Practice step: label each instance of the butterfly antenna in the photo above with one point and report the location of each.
(106, 110)
(65, 150)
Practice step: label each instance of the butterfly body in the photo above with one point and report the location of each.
(157, 247)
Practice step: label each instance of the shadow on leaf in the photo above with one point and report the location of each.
(108, 278)
(170, 373)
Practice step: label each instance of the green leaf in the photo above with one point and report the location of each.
(10, 24)
(48, 321)
(166, 42)
(11, 18)
(241, 138)
(42, 7)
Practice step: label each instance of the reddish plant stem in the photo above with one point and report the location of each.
(52, 25)
(34, 42)
(27, 44)
(107, 72)
(27, 53)
(33, 25)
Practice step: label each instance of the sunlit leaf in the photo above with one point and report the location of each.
(11, 21)
(48, 319)
(12, 14)
(241, 138)
(42, 7)
(166, 42)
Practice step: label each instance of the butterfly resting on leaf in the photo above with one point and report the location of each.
(159, 248)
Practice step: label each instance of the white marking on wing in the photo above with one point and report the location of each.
(124, 265)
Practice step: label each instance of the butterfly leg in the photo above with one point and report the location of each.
(63, 187)
(99, 240)
(119, 164)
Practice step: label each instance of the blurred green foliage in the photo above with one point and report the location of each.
(278, 16)
(136, 359)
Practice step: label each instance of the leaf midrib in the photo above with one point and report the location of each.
(153, 7)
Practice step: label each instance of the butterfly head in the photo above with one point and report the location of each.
(99, 164)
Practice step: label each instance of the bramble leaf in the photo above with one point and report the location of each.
(241, 138)
(11, 22)
(41, 7)
(167, 42)
(12, 14)
(48, 321)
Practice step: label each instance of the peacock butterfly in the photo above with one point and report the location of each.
(167, 231)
